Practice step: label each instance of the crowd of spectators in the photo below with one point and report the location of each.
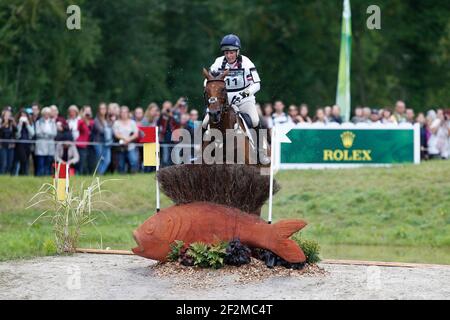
(434, 124)
(105, 142)
(109, 141)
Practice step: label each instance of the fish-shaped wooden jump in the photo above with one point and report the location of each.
(210, 223)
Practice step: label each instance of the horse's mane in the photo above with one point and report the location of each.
(238, 186)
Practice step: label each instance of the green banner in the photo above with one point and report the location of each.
(343, 84)
(349, 146)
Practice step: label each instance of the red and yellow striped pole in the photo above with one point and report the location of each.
(151, 153)
(61, 180)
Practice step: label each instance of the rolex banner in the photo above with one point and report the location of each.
(347, 146)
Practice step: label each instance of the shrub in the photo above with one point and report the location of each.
(216, 255)
(175, 250)
(71, 215)
(310, 247)
(198, 254)
(237, 253)
(49, 247)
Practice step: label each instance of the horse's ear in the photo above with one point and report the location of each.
(206, 74)
(224, 74)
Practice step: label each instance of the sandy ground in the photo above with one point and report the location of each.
(89, 276)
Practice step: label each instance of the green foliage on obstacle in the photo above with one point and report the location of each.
(199, 254)
(175, 250)
(311, 248)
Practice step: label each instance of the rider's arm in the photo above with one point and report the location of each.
(255, 83)
(254, 88)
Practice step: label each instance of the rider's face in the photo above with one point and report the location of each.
(231, 55)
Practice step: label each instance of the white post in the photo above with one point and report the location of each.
(416, 135)
(272, 160)
(67, 179)
(157, 169)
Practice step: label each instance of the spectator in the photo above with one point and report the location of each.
(193, 119)
(399, 112)
(293, 114)
(151, 115)
(409, 116)
(375, 117)
(320, 116)
(36, 112)
(54, 114)
(45, 142)
(66, 150)
(267, 116)
(114, 109)
(114, 165)
(420, 119)
(85, 127)
(138, 116)
(102, 135)
(447, 118)
(304, 113)
(35, 115)
(179, 109)
(327, 110)
(167, 125)
(335, 114)
(279, 116)
(25, 131)
(358, 117)
(193, 116)
(7, 132)
(366, 114)
(438, 142)
(387, 117)
(72, 121)
(184, 124)
(126, 132)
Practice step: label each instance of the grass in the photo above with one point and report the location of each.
(402, 206)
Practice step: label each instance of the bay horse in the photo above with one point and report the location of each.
(223, 117)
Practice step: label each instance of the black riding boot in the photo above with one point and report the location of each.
(260, 150)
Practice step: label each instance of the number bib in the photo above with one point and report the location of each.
(235, 80)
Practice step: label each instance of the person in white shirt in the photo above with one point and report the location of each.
(438, 141)
(279, 116)
(242, 81)
(72, 121)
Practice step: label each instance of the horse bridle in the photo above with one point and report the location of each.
(211, 100)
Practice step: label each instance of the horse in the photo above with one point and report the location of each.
(223, 116)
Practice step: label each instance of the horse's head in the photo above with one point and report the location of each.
(215, 95)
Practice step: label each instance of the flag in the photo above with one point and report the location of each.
(61, 180)
(151, 146)
(343, 83)
(151, 153)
